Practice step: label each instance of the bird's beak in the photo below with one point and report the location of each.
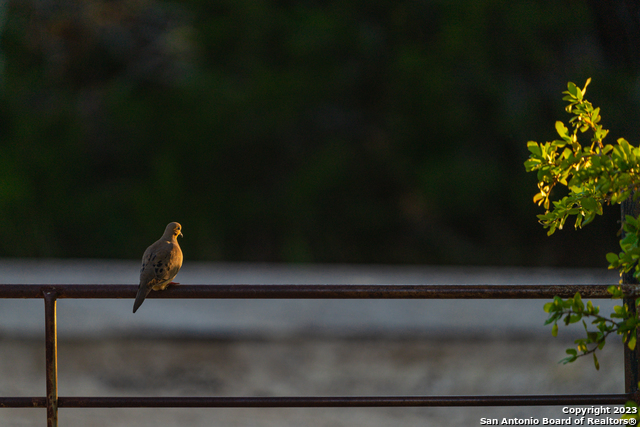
(181, 234)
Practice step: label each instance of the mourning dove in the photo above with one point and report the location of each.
(160, 263)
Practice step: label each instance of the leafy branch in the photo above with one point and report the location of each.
(595, 174)
(573, 310)
(592, 174)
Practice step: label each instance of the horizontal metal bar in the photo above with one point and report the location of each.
(23, 402)
(319, 401)
(321, 291)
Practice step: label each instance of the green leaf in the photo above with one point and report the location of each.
(630, 221)
(577, 298)
(562, 130)
(615, 291)
(554, 330)
(612, 258)
(553, 318)
(589, 203)
(575, 317)
(530, 164)
(588, 219)
(577, 305)
(534, 148)
(595, 361)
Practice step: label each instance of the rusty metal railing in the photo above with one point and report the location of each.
(51, 293)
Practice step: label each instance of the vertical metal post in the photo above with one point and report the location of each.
(51, 353)
(631, 357)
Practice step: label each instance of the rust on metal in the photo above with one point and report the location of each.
(51, 357)
(318, 401)
(23, 402)
(340, 291)
(342, 401)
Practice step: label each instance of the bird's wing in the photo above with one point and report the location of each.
(158, 263)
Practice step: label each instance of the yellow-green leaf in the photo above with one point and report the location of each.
(561, 129)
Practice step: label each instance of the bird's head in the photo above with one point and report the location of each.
(173, 229)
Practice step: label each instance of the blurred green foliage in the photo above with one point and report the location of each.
(336, 131)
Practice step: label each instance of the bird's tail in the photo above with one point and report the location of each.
(143, 291)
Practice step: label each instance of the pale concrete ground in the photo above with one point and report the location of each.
(294, 347)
